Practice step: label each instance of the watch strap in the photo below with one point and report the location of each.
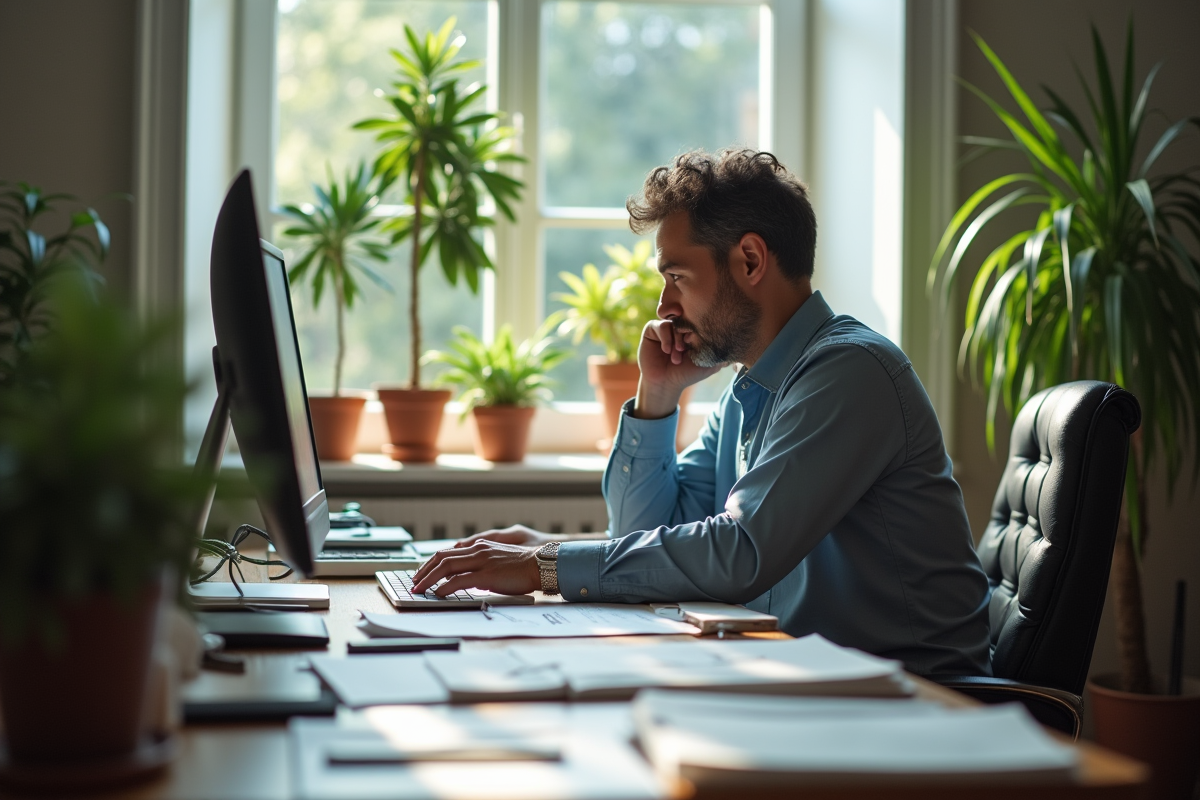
(547, 561)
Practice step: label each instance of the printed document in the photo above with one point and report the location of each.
(550, 620)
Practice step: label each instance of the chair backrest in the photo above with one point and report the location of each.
(1048, 547)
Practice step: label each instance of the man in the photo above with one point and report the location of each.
(819, 490)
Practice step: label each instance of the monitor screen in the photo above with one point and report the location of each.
(294, 391)
(259, 371)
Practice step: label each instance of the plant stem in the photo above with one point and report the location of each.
(340, 303)
(413, 307)
(1127, 586)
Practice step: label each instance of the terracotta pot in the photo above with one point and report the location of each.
(335, 425)
(83, 701)
(616, 383)
(1161, 730)
(502, 432)
(414, 418)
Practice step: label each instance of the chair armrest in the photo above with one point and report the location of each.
(1054, 708)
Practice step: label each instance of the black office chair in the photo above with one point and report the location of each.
(1049, 546)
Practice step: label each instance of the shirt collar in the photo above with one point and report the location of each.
(786, 348)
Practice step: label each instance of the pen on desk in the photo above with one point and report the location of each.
(486, 608)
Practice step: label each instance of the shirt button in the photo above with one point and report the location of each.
(583, 592)
(635, 441)
(745, 385)
(625, 468)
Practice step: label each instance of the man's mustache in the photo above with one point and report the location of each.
(681, 324)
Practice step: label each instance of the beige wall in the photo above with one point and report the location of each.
(67, 106)
(1038, 40)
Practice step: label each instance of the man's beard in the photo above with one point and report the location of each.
(727, 330)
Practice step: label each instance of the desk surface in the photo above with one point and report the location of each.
(250, 761)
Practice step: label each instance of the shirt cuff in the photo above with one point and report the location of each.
(579, 570)
(650, 437)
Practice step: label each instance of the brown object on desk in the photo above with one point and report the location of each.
(251, 762)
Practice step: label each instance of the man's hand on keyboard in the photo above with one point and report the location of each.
(489, 565)
(513, 534)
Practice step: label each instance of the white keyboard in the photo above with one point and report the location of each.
(397, 584)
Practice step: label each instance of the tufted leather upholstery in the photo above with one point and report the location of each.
(1048, 548)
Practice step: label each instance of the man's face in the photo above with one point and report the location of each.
(701, 298)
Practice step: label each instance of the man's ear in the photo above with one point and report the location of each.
(753, 254)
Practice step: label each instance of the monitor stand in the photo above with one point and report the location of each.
(222, 594)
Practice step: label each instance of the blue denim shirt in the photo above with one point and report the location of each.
(818, 491)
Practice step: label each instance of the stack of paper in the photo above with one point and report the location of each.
(726, 740)
(501, 752)
(811, 666)
(808, 666)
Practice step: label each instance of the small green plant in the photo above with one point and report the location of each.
(338, 236)
(613, 307)
(502, 373)
(30, 263)
(1103, 286)
(88, 425)
(445, 152)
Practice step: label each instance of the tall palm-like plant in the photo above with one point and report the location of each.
(1102, 286)
(337, 233)
(445, 151)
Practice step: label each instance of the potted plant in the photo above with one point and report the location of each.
(337, 234)
(30, 264)
(1103, 286)
(501, 384)
(444, 151)
(611, 308)
(94, 525)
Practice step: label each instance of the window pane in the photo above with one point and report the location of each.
(331, 57)
(377, 328)
(627, 86)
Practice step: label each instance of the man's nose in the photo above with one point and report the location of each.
(668, 305)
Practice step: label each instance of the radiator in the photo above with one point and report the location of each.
(454, 517)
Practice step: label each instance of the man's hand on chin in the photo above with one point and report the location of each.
(666, 370)
(487, 565)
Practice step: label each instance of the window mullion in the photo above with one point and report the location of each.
(518, 280)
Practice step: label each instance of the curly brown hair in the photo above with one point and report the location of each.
(728, 195)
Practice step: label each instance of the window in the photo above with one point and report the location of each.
(621, 88)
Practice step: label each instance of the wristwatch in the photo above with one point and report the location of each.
(547, 561)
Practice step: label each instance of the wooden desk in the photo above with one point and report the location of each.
(250, 761)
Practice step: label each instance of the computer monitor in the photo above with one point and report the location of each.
(260, 384)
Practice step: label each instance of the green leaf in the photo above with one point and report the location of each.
(961, 217)
(1141, 192)
(969, 235)
(1113, 324)
(1033, 254)
(1164, 141)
